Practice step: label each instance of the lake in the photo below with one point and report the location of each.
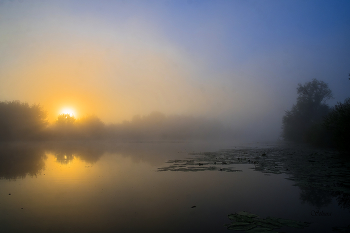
(170, 187)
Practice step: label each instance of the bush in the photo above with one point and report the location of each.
(19, 121)
(318, 135)
(303, 122)
(337, 122)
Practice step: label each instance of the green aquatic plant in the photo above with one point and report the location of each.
(320, 174)
(248, 222)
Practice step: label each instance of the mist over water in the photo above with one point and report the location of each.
(107, 186)
(236, 63)
(174, 116)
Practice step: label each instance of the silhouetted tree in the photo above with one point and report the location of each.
(19, 121)
(337, 123)
(67, 127)
(64, 127)
(65, 120)
(91, 127)
(304, 121)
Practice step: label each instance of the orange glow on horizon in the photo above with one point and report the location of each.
(89, 81)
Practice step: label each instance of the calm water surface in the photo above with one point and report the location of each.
(110, 187)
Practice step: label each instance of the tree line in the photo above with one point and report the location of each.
(24, 122)
(311, 120)
(20, 121)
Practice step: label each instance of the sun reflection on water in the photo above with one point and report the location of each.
(65, 158)
(67, 167)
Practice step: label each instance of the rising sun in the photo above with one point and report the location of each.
(69, 111)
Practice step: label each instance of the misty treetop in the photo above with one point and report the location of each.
(308, 112)
(65, 119)
(314, 92)
(68, 127)
(20, 121)
(311, 120)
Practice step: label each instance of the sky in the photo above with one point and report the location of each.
(236, 61)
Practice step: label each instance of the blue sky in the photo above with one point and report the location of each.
(237, 61)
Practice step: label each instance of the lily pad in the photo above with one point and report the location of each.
(248, 222)
(261, 230)
(313, 171)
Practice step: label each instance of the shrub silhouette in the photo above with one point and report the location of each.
(64, 127)
(67, 127)
(19, 121)
(90, 127)
(337, 123)
(304, 121)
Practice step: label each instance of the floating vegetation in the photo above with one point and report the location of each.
(195, 165)
(342, 229)
(244, 221)
(314, 171)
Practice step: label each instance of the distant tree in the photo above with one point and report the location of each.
(64, 127)
(315, 92)
(65, 120)
(20, 121)
(67, 127)
(303, 122)
(337, 123)
(91, 127)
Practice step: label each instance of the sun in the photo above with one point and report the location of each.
(69, 111)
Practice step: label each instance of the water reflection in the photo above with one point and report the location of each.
(315, 196)
(111, 187)
(64, 158)
(321, 175)
(65, 152)
(19, 160)
(343, 200)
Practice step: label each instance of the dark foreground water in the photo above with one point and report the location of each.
(169, 187)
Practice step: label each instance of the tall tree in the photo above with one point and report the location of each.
(20, 121)
(65, 120)
(65, 127)
(306, 115)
